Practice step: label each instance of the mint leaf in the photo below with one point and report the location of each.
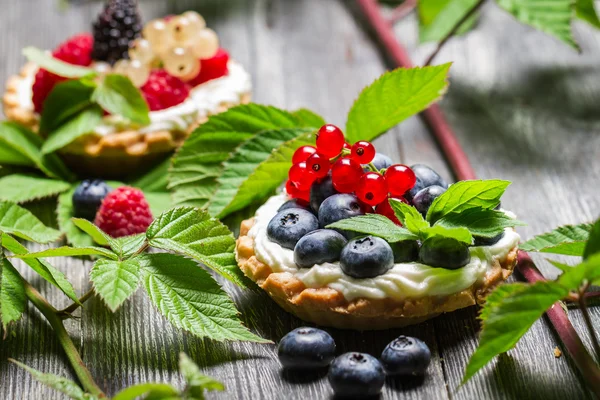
(155, 391)
(13, 300)
(66, 99)
(508, 313)
(585, 10)
(589, 271)
(191, 299)
(92, 230)
(71, 252)
(254, 170)
(409, 216)
(115, 281)
(23, 188)
(79, 125)
(568, 240)
(45, 60)
(193, 232)
(154, 180)
(465, 195)
(593, 244)
(45, 270)
(376, 225)
(392, 98)
(549, 16)
(438, 17)
(461, 234)
(23, 224)
(480, 222)
(117, 95)
(309, 118)
(197, 382)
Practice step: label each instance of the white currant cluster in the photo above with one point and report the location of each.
(177, 44)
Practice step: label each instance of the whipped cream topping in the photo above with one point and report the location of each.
(203, 100)
(405, 280)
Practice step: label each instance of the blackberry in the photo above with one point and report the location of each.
(116, 27)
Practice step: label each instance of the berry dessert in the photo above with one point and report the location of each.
(356, 241)
(174, 65)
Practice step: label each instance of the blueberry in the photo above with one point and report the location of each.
(288, 226)
(482, 241)
(366, 257)
(380, 161)
(317, 247)
(87, 198)
(423, 199)
(319, 191)
(338, 207)
(305, 348)
(425, 177)
(295, 203)
(444, 252)
(406, 356)
(356, 375)
(405, 251)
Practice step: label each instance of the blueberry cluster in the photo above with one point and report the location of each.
(353, 374)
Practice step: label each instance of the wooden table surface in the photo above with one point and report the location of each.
(524, 106)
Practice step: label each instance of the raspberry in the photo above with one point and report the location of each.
(77, 51)
(162, 90)
(124, 212)
(212, 68)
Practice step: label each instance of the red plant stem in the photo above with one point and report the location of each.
(402, 10)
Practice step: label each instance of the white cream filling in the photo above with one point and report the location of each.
(203, 100)
(404, 280)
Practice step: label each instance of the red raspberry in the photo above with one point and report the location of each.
(162, 90)
(124, 212)
(212, 68)
(77, 51)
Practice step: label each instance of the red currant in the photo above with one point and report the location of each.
(386, 210)
(318, 165)
(372, 188)
(345, 174)
(330, 140)
(400, 179)
(301, 176)
(363, 152)
(302, 154)
(347, 146)
(296, 193)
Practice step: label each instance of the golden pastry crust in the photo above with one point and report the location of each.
(328, 307)
(10, 100)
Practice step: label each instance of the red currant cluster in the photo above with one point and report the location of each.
(352, 171)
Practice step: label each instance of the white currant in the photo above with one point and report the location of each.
(206, 44)
(180, 62)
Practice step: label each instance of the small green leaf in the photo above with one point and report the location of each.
(309, 118)
(71, 252)
(13, 300)
(117, 95)
(392, 98)
(561, 266)
(549, 16)
(376, 225)
(197, 382)
(193, 232)
(92, 230)
(480, 222)
(568, 240)
(45, 60)
(154, 391)
(593, 243)
(115, 281)
(465, 195)
(21, 223)
(508, 313)
(461, 234)
(79, 125)
(155, 180)
(586, 11)
(589, 271)
(438, 17)
(66, 100)
(23, 188)
(128, 246)
(409, 216)
(191, 299)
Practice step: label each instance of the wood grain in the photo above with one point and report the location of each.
(522, 104)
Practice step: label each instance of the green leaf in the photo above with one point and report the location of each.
(593, 243)
(191, 299)
(394, 97)
(115, 281)
(438, 17)
(148, 390)
(92, 230)
(589, 271)
(198, 163)
(128, 246)
(585, 10)
(117, 95)
(155, 180)
(480, 222)
(254, 170)
(23, 188)
(561, 266)
(461, 234)
(71, 252)
(13, 300)
(64, 215)
(45, 270)
(20, 146)
(66, 99)
(193, 232)
(45, 60)
(309, 118)
(58, 383)
(508, 313)
(465, 195)
(197, 382)
(549, 16)
(409, 216)
(376, 225)
(79, 125)
(23, 224)
(159, 202)
(568, 240)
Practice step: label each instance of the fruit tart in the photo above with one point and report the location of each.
(356, 241)
(176, 70)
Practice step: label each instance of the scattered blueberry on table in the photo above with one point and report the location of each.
(306, 348)
(356, 375)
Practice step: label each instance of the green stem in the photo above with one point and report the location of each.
(588, 322)
(51, 314)
(65, 312)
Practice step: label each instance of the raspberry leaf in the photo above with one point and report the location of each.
(20, 222)
(254, 169)
(159, 202)
(376, 225)
(128, 246)
(79, 125)
(13, 300)
(394, 97)
(71, 252)
(46, 61)
(589, 271)
(568, 240)
(593, 244)
(155, 180)
(438, 17)
(585, 10)
(191, 299)
(117, 95)
(197, 382)
(23, 188)
(480, 222)
(148, 391)
(192, 232)
(92, 230)
(66, 100)
(115, 281)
